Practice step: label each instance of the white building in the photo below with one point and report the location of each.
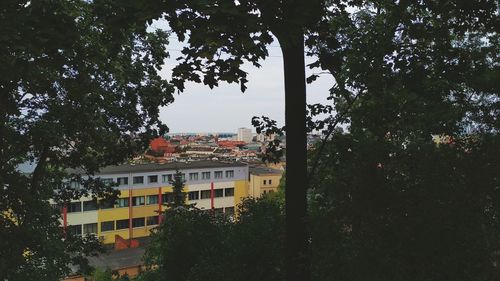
(245, 134)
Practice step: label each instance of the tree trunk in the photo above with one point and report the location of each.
(297, 256)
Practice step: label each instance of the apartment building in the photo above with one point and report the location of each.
(144, 190)
(263, 180)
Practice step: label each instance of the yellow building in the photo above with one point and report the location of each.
(263, 180)
(144, 190)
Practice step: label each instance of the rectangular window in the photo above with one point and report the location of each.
(107, 180)
(121, 224)
(205, 175)
(122, 202)
(228, 192)
(270, 182)
(218, 175)
(205, 194)
(152, 199)
(74, 184)
(193, 195)
(107, 226)
(152, 179)
(122, 180)
(90, 228)
(219, 211)
(90, 205)
(152, 220)
(218, 192)
(229, 211)
(193, 176)
(75, 229)
(138, 180)
(138, 222)
(138, 201)
(74, 207)
(230, 174)
(265, 182)
(106, 204)
(167, 197)
(166, 178)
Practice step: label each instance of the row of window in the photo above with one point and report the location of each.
(169, 177)
(207, 194)
(91, 205)
(268, 182)
(91, 228)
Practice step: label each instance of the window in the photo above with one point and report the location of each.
(152, 199)
(121, 224)
(90, 205)
(122, 202)
(90, 228)
(152, 179)
(138, 180)
(107, 180)
(265, 182)
(74, 184)
(193, 195)
(219, 211)
(230, 174)
(166, 178)
(152, 220)
(205, 175)
(205, 194)
(228, 192)
(74, 207)
(75, 229)
(218, 175)
(167, 197)
(106, 204)
(138, 201)
(270, 182)
(193, 176)
(122, 181)
(218, 192)
(229, 211)
(107, 226)
(138, 222)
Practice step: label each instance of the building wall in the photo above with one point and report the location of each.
(261, 184)
(245, 135)
(224, 203)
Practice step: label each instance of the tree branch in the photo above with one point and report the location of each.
(325, 139)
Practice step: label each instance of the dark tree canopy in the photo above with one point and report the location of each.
(79, 88)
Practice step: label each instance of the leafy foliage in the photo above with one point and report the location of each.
(179, 196)
(79, 89)
(193, 244)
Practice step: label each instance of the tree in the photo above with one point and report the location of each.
(388, 202)
(179, 196)
(222, 35)
(193, 244)
(79, 89)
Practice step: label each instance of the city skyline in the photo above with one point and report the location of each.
(226, 108)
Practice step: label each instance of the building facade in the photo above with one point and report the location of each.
(144, 190)
(245, 134)
(263, 180)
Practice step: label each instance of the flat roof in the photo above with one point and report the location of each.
(151, 167)
(259, 170)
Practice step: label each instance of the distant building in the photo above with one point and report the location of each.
(144, 190)
(265, 138)
(245, 134)
(263, 180)
(162, 145)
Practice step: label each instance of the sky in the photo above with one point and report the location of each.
(225, 108)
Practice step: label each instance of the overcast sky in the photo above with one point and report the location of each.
(226, 108)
